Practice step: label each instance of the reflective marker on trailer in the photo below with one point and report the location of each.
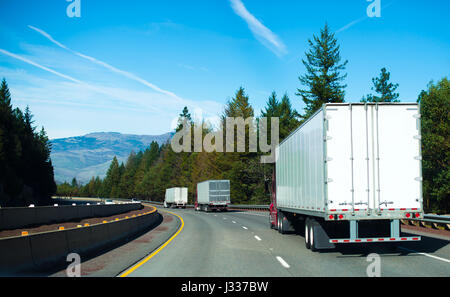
(372, 240)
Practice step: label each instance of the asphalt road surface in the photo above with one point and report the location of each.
(241, 244)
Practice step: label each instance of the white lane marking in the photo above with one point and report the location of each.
(426, 255)
(285, 265)
(224, 218)
(234, 222)
(245, 227)
(257, 238)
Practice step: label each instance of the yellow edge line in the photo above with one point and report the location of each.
(145, 260)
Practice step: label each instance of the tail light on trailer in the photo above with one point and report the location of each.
(417, 215)
(408, 215)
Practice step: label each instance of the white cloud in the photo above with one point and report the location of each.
(23, 59)
(107, 105)
(110, 92)
(261, 32)
(107, 66)
(351, 24)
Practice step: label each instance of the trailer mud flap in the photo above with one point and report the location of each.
(322, 240)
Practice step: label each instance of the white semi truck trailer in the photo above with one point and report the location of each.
(176, 197)
(349, 174)
(213, 195)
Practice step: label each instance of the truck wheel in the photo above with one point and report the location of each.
(312, 239)
(282, 225)
(307, 244)
(279, 223)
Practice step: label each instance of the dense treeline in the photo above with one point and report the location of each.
(26, 171)
(435, 109)
(147, 174)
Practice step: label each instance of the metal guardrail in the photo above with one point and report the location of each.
(251, 207)
(434, 220)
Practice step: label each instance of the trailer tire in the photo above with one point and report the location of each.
(307, 243)
(312, 237)
(282, 229)
(281, 225)
(278, 223)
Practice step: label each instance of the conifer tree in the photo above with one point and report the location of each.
(384, 88)
(323, 79)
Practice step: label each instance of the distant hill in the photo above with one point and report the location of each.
(86, 156)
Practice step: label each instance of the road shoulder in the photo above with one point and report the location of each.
(114, 262)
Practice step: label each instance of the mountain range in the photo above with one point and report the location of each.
(87, 156)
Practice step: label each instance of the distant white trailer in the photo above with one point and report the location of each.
(176, 197)
(213, 195)
(349, 174)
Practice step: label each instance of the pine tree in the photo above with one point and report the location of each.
(272, 110)
(239, 107)
(288, 117)
(185, 117)
(323, 73)
(5, 97)
(384, 88)
(112, 179)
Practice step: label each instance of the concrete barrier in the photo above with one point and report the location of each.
(100, 236)
(79, 240)
(15, 255)
(28, 254)
(48, 248)
(46, 214)
(13, 217)
(118, 229)
(84, 211)
(20, 217)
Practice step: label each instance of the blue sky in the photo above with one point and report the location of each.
(131, 66)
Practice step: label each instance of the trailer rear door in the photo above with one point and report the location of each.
(373, 157)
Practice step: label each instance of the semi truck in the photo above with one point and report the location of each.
(349, 174)
(176, 197)
(213, 195)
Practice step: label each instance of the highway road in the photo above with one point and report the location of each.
(241, 244)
